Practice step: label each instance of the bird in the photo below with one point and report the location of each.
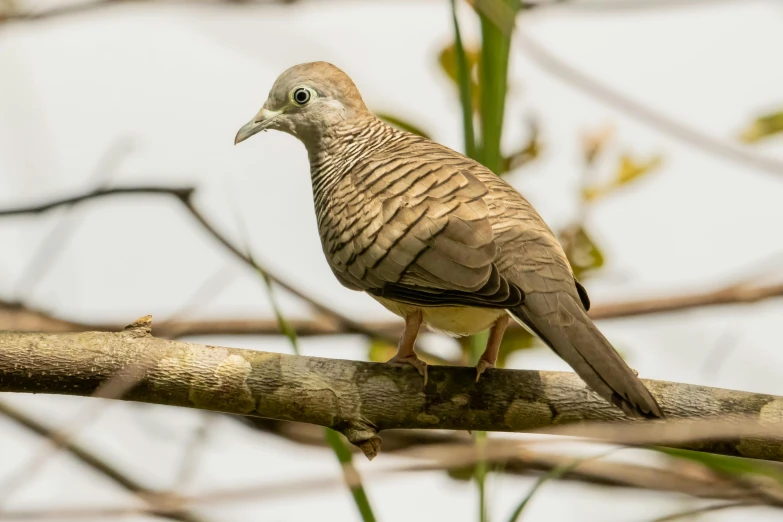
(435, 237)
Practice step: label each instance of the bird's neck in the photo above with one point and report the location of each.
(335, 153)
(348, 140)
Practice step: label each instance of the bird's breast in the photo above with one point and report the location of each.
(456, 321)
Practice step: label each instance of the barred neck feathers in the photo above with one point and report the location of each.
(337, 153)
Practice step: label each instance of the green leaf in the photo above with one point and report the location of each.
(501, 13)
(402, 124)
(582, 252)
(345, 457)
(763, 127)
(727, 465)
(493, 79)
(464, 79)
(448, 59)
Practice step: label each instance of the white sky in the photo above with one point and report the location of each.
(178, 81)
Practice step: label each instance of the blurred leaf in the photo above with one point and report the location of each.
(763, 127)
(527, 153)
(448, 62)
(734, 466)
(499, 12)
(380, 350)
(629, 169)
(402, 124)
(466, 350)
(594, 142)
(583, 254)
(513, 341)
(463, 474)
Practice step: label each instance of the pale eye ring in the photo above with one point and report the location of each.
(301, 96)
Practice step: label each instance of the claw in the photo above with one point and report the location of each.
(414, 361)
(482, 365)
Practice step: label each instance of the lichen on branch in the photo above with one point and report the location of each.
(359, 399)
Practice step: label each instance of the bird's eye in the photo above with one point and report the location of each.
(301, 96)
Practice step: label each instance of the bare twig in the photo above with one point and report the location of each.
(50, 247)
(702, 510)
(95, 462)
(717, 147)
(114, 387)
(185, 196)
(18, 318)
(703, 484)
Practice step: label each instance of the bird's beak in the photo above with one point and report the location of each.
(260, 122)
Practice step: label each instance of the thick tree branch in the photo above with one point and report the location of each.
(358, 399)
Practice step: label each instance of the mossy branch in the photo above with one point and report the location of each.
(359, 399)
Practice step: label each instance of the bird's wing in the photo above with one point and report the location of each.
(556, 305)
(414, 228)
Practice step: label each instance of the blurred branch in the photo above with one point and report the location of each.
(52, 244)
(690, 513)
(679, 478)
(68, 8)
(84, 456)
(360, 399)
(185, 196)
(320, 484)
(16, 317)
(717, 147)
(500, 16)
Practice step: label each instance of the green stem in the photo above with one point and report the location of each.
(478, 343)
(465, 89)
(553, 474)
(345, 457)
(493, 73)
(341, 451)
(480, 473)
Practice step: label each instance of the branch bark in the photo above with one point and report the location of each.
(358, 399)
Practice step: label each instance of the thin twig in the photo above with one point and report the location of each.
(190, 457)
(344, 456)
(50, 247)
(715, 146)
(115, 387)
(96, 463)
(18, 318)
(185, 196)
(702, 510)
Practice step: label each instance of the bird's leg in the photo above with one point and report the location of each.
(405, 353)
(490, 355)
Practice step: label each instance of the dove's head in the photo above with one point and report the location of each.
(308, 101)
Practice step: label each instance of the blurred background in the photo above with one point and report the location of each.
(644, 131)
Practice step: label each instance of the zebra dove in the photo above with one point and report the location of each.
(436, 237)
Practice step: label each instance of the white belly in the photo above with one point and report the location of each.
(451, 320)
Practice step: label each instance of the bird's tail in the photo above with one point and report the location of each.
(563, 324)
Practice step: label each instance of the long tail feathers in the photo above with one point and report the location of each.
(564, 325)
